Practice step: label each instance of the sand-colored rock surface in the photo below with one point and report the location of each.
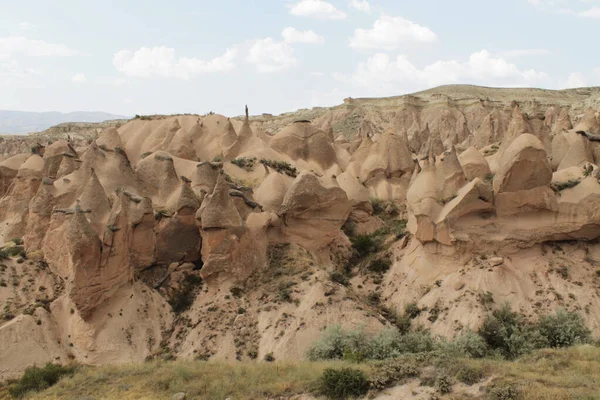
(213, 237)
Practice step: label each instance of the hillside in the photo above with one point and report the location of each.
(224, 239)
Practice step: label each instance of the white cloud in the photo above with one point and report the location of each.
(593, 12)
(517, 53)
(13, 45)
(13, 75)
(361, 5)
(382, 75)
(79, 78)
(120, 82)
(569, 7)
(388, 33)
(271, 56)
(318, 9)
(333, 97)
(26, 25)
(575, 80)
(161, 61)
(292, 35)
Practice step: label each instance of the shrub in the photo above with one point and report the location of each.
(356, 346)
(486, 298)
(392, 371)
(374, 298)
(18, 241)
(281, 167)
(560, 186)
(379, 265)
(378, 206)
(364, 244)
(330, 346)
(269, 357)
(183, 298)
(284, 293)
(498, 327)
(417, 342)
(340, 278)
(509, 333)
(245, 163)
(385, 344)
(505, 392)
(253, 354)
(13, 251)
(469, 344)
(563, 271)
(343, 383)
(398, 228)
(37, 379)
(443, 384)
(412, 310)
(564, 329)
(402, 322)
(469, 375)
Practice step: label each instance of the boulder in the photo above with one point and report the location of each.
(312, 214)
(474, 164)
(523, 166)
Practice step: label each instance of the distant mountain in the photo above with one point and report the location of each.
(19, 122)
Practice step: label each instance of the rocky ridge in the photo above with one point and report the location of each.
(210, 237)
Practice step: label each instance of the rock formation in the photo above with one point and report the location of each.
(151, 237)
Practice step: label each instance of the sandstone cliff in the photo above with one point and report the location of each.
(211, 237)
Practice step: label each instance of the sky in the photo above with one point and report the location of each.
(145, 57)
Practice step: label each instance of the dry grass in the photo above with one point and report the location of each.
(218, 381)
(544, 375)
(572, 373)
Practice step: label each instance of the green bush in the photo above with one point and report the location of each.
(340, 278)
(505, 392)
(379, 265)
(468, 344)
(509, 333)
(364, 244)
(564, 329)
(412, 310)
(245, 163)
(378, 206)
(398, 228)
(183, 298)
(236, 292)
(560, 186)
(356, 346)
(331, 346)
(443, 384)
(385, 344)
(343, 383)
(391, 372)
(469, 375)
(416, 342)
(37, 379)
(281, 167)
(13, 251)
(284, 293)
(402, 322)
